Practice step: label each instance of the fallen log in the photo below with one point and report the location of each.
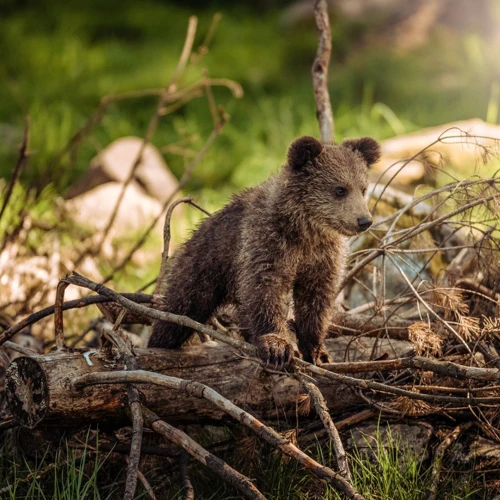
(40, 392)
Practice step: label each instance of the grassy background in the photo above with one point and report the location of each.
(60, 58)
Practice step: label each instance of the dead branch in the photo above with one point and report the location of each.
(320, 71)
(136, 441)
(420, 227)
(234, 87)
(199, 390)
(144, 481)
(216, 465)
(186, 480)
(58, 314)
(19, 348)
(72, 304)
(426, 305)
(21, 160)
(350, 421)
(161, 281)
(135, 410)
(323, 413)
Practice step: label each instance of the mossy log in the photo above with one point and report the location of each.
(40, 391)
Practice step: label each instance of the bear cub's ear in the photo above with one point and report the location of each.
(368, 147)
(303, 150)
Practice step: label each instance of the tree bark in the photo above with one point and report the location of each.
(39, 388)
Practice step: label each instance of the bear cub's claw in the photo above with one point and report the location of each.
(317, 355)
(274, 349)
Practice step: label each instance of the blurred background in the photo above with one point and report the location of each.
(397, 65)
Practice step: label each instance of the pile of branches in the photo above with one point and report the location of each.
(430, 269)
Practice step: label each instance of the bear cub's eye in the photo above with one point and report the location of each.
(340, 191)
(363, 192)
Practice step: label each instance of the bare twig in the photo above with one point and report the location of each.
(58, 314)
(21, 160)
(216, 465)
(421, 227)
(186, 480)
(19, 348)
(323, 413)
(72, 304)
(234, 87)
(136, 441)
(320, 71)
(135, 411)
(161, 281)
(145, 483)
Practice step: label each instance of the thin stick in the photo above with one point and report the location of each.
(412, 232)
(424, 303)
(135, 411)
(161, 283)
(146, 485)
(26, 351)
(215, 464)
(323, 413)
(21, 160)
(320, 71)
(186, 52)
(234, 87)
(200, 390)
(72, 304)
(136, 442)
(58, 314)
(186, 480)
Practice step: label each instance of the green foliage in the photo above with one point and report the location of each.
(60, 58)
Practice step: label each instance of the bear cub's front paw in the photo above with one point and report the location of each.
(316, 355)
(275, 349)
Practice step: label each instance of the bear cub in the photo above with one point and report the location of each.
(285, 238)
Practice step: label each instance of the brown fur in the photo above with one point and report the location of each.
(283, 238)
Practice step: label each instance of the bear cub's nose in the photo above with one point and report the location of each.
(364, 223)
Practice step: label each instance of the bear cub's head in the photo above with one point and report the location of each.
(332, 181)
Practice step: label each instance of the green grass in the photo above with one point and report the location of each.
(63, 474)
(385, 469)
(389, 469)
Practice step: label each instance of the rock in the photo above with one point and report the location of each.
(114, 163)
(94, 208)
(464, 153)
(478, 449)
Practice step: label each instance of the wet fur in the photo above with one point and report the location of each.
(285, 237)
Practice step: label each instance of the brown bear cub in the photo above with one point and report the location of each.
(282, 239)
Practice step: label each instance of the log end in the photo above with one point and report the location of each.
(27, 393)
